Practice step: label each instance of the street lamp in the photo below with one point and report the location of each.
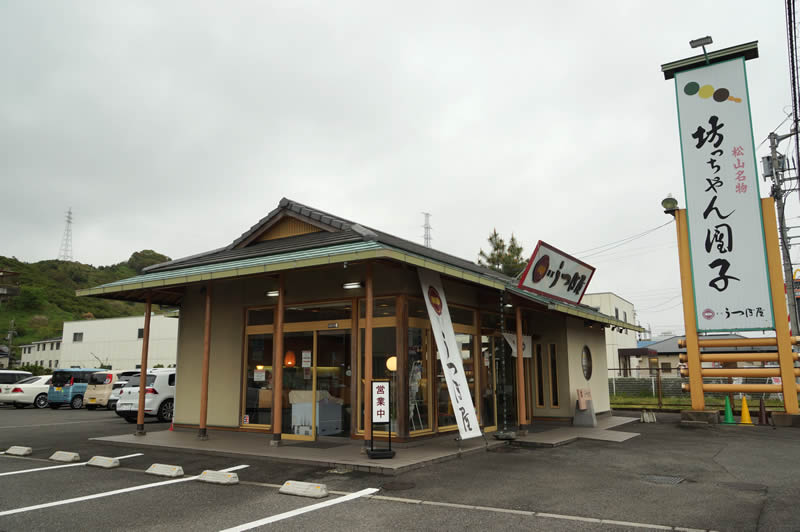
(670, 205)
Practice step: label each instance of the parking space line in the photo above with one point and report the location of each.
(292, 513)
(109, 493)
(52, 424)
(60, 466)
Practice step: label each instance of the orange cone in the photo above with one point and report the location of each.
(745, 420)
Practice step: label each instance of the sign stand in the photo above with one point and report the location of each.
(381, 413)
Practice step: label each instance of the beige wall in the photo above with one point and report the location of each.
(578, 336)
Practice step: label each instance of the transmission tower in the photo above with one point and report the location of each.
(427, 227)
(65, 252)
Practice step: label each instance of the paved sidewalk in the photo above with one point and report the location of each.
(563, 435)
(331, 452)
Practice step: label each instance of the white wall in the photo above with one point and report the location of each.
(45, 353)
(609, 303)
(578, 336)
(115, 342)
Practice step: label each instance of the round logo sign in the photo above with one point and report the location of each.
(436, 301)
(540, 269)
(708, 314)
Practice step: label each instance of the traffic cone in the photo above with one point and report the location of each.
(762, 413)
(745, 420)
(728, 413)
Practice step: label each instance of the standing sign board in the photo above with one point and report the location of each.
(554, 274)
(726, 235)
(449, 354)
(380, 402)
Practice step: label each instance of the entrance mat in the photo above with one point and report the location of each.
(319, 444)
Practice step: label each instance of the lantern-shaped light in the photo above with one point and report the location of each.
(289, 360)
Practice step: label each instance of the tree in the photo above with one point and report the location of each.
(147, 257)
(507, 260)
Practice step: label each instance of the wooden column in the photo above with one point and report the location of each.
(202, 432)
(401, 375)
(368, 357)
(355, 337)
(277, 362)
(779, 310)
(143, 366)
(477, 364)
(689, 318)
(520, 370)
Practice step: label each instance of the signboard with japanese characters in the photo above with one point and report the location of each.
(554, 274)
(726, 236)
(449, 354)
(380, 401)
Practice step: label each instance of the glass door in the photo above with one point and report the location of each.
(334, 381)
(298, 420)
(258, 392)
(487, 380)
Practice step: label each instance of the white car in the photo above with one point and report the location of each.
(30, 391)
(159, 397)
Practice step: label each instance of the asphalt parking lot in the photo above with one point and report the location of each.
(730, 478)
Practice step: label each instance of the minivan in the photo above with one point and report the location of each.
(69, 386)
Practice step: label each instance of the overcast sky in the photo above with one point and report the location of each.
(175, 126)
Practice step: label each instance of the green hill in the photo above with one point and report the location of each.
(47, 295)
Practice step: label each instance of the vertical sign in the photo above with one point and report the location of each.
(380, 401)
(726, 235)
(449, 354)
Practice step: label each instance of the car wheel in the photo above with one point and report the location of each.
(40, 401)
(165, 410)
(130, 419)
(76, 403)
(54, 407)
(91, 407)
(110, 406)
(19, 405)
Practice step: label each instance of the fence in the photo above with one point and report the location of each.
(657, 388)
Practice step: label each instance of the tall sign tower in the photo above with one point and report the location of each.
(65, 251)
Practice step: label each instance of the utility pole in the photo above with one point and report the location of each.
(778, 193)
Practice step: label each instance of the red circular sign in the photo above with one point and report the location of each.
(709, 314)
(436, 301)
(540, 269)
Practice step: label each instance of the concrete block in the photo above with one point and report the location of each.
(65, 456)
(710, 417)
(304, 489)
(782, 419)
(164, 470)
(218, 477)
(103, 461)
(16, 450)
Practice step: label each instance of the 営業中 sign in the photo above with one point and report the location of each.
(380, 401)
(723, 207)
(553, 273)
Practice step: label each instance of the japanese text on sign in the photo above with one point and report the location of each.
(380, 402)
(553, 273)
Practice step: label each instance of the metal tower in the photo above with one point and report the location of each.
(65, 252)
(427, 227)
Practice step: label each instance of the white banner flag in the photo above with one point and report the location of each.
(527, 342)
(449, 354)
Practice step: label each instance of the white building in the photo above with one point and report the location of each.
(117, 342)
(616, 339)
(45, 353)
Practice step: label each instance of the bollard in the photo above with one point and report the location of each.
(728, 413)
(762, 413)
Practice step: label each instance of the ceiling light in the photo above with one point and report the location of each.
(273, 293)
(351, 286)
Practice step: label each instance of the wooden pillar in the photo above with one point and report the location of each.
(277, 362)
(779, 310)
(368, 357)
(689, 318)
(520, 370)
(477, 364)
(355, 336)
(143, 366)
(202, 432)
(401, 375)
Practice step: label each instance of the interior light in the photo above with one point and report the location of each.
(259, 367)
(351, 286)
(272, 293)
(391, 363)
(289, 360)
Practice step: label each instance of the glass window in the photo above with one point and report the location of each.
(553, 377)
(382, 307)
(322, 312)
(58, 345)
(445, 411)
(140, 333)
(488, 414)
(258, 396)
(384, 345)
(418, 380)
(417, 309)
(298, 383)
(334, 382)
(666, 367)
(171, 380)
(77, 337)
(586, 363)
(262, 316)
(461, 315)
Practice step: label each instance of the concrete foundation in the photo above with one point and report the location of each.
(694, 417)
(782, 419)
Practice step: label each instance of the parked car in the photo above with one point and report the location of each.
(159, 396)
(115, 393)
(30, 391)
(101, 386)
(10, 376)
(68, 387)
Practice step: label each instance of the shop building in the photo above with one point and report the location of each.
(274, 329)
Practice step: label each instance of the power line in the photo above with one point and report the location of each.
(619, 243)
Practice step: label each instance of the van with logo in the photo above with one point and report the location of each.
(68, 387)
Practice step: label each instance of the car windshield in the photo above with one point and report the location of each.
(99, 378)
(60, 378)
(29, 380)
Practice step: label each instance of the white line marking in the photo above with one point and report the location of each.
(286, 515)
(52, 424)
(108, 493)
(59, 466)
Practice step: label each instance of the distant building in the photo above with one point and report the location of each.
(616, 338)
(117, 342)
(45, 353)
(4, 358)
